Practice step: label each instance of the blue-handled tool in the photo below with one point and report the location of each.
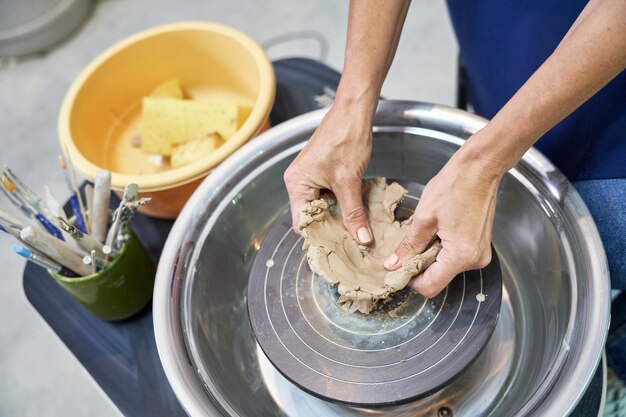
(75, 200)
(80, 222)
(49, 226)
(42, 260)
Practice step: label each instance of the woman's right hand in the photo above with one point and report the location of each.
(335, 158)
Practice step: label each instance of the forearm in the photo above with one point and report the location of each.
(374, 29)
(592, 53)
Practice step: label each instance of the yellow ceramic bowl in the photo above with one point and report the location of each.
(101, 111)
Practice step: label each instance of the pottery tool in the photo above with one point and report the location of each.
(75, 198)
(89, 200)
(87, 260)
(130, 194)
(9, 188)
(42, 260)
(58, 211)
(10, 224)
(73, 251)
(84, 241)
(72, 174)
(99, 263)
(406, 349)
(94, 263)
(27, 194)
(129, 211)
(53, 204)
(94, 268)
(109, 252)
(54, 249)
(100, 211)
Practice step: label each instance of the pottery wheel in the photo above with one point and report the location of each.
(407, 349)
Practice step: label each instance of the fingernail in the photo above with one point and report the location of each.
(364, 235)
(391, 261)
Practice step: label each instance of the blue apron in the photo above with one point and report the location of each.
(503, 42)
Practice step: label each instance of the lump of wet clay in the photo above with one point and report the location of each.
(357, 271)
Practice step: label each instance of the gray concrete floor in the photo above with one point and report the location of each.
(38, 375)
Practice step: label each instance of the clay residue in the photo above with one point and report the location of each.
(357, 271)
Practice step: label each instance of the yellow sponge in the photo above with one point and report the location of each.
(169, 88)
(167, 122)
(193, 150)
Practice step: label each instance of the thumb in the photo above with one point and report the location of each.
(416, 240)
(350, 197)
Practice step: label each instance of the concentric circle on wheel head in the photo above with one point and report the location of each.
(407, 349)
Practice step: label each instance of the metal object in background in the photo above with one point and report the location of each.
(555, 301)
(299, 36)
(29, 26)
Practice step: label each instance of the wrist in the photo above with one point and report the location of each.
(360, 97)
(345, 124)
(499, 145)
(355, 112)
(483, 159)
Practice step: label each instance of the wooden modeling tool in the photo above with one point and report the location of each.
(130, 194)
(89, 201)
(54, 249)
(100, 211)
(84, 241)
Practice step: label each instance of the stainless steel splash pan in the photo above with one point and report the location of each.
(555, 306)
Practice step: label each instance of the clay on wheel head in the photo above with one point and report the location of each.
(357, 271)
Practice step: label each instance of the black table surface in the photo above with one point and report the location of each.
(122, 356)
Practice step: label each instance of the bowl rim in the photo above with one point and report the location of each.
(198, 169)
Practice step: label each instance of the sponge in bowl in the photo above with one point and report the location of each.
(169, 88)
(167, 122)
(193, 150)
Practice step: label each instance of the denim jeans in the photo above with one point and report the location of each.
(606, 200)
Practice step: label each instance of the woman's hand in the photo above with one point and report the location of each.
(337, 154)
(458, 206)
(335, 158)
